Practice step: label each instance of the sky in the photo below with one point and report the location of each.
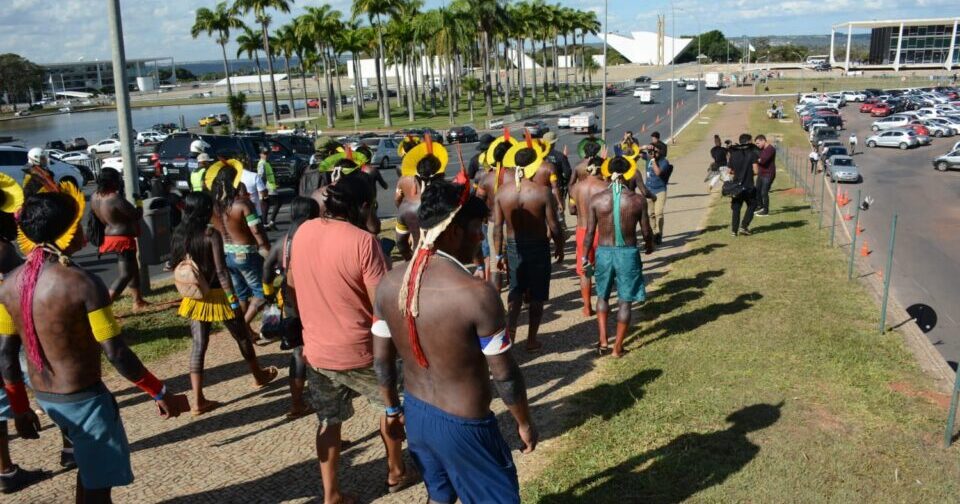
(48, 31)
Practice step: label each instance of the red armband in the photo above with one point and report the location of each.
(151, 385)
(17, 395)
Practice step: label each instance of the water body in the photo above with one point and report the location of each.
(97, 125)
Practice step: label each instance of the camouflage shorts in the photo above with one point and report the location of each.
(330, 393)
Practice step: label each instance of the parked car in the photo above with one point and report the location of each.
(21, 113)
(284, 108)
(692, 86)
(210, 120)
(55, 144)
(56, 153)
(642, 79)
(867, 106)
(107, 146)
(940, 127)
(13, 159)
(313, 103)
(536, 128)
(881, 110)
(654, 85)
(75, 157)
(902, 139)
(611, 90)
(918, 127)
(835, 150)
(823, 134)
(563, 121)
(841, 168)
(223, 118)
(77, 144)
(854, 96)
(948, 160)
(896, 121)
(462, 134)
(385, 154)
(299, 144)
(150, 137)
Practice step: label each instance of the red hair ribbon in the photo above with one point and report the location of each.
(419, 263)
(429, 141)
(465, 194)
(529, 139)
(348, 152)
(506, 134)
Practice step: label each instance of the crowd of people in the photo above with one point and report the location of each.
(355, 323)
(747, 170)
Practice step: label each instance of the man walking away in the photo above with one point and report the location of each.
(766, 173)
(814, 159)
(658, 174)
(743, 157)
(853, 142)
(449, 360)
(271, 201)
(121, 222)
(718, 157)
(580, 196)
(256, 187)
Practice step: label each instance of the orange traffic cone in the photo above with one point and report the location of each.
(658, 119)
(643, 127)
(860, 230)
(865, 250)
(847, 216)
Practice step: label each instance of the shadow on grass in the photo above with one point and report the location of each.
(778, 226)
(674, 472)
(690, 321)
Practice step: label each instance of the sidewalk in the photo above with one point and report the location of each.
(247, 451)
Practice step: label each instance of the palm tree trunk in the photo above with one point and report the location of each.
(566, 64)
(327, 84)
(380, 94)
(556, 66)
(226, 73)
(408, 76)
(357, 90)
(506, 64)
(316, 76)
(263, 97)
(487, 85)
(336, 73)
(293, 106)
(533, 60)
(471, 105)
(451, 96)
(546, 72)
(433, 94)
(385, 100)
(273, 85)
(496, 71)
(303, 83)
(521, 74)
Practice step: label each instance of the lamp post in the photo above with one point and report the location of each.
(673, 64)
(603, 99)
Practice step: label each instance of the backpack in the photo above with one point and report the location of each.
(665, 174)
(188, 280)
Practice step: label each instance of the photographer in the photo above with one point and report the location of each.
(743, 160)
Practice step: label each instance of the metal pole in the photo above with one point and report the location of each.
(130, 178)
(823, 190)
(603, 100)
(886, 274)
(673, 64)
(699, 71)
(948, 435)
(833, 227)
(853, 242)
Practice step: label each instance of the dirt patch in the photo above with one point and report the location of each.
(796, 191)
(826, 420)
(941, 401)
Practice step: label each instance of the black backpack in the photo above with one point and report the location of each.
(93, 229)
(665, 174)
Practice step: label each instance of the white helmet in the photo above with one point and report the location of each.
(36, 156)
(198, 146)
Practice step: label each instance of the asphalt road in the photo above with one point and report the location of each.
(926, 265)
(624, 112)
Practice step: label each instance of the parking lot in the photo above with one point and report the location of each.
(927, 254)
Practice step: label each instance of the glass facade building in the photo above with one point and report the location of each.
(921, 45)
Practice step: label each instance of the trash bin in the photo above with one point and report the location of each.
(155, 231)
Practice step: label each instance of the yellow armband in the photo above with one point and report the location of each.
(6, 322)
(553, 177)
(402, 229)
(268, 289)
(103, 325)
(572, 202)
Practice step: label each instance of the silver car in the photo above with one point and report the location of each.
(902, 139)
(385, 154)
(842, 169)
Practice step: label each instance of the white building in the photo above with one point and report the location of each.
(904, 43)
(641, 47)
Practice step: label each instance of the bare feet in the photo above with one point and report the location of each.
(533, 346)
(140, 305)
(619, 352)
(265, 376)
(299, 411)
(588, 311)
(204, 406)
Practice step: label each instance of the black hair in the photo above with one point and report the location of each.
(365, 150)
(222, 188)
(408, 145)
(344, 198)
(345, 163)
(500, 151)
(302, 209)
(619, 164)
(525, 156)
(745, 138)
(760, 137)
(591, 149)
(328, 148)
(46, 216)
(428, 167)
(655, 134)
(189, 236)
(441, 198)
(108, 181)
(8, 227)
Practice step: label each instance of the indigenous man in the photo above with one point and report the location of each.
(63, 346)
(580, 197)
(348, 163)
(407, 187)
(580, 171)
(424, 164)
(121, 222)
(452, 434)
(491, 181)
(245, 242)
(528, 210)
(614, 215)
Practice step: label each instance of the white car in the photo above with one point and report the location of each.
(150, 136)
(937, 129)
(654, 85)
(890, 122)
(13, 159)
(691, 86)
(108, 146)
(563, 121)
(114, 163)
(904, 139)
(54, 153)
(75, 157)
(854, 96)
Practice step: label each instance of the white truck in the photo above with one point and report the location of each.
(584, 122)
(645, 95)
(713, 80)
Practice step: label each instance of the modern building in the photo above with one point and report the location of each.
(96, 75)
(642, 47)
(907, 43)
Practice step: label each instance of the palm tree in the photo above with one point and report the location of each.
(353, 40)
(250, 43)
(377, 9)
(301, 48)
(287, 45)
(259, 9)
(320, 25)
(219, 20)
(588, 24)
(471, 85)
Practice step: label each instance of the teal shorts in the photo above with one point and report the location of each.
(622, 264)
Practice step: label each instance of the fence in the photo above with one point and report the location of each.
(527, 112)
(804, 176)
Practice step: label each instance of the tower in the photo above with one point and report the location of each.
(661, 31)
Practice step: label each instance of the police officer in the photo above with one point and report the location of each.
(197, 148)
(196, 177)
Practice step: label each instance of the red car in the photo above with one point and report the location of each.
(313, 103)
(867, 106)
(919, 128)
(881, 110)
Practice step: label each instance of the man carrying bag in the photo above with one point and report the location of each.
(741, 189)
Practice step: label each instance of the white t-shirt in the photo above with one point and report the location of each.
(814, 156)
(254, 184)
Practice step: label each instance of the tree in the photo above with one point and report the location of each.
(376, 10)
(471, 85)
(182, 75)
(220, 20)
(713, 44)
(287, 45)
(250, 43)
(319, 25)
(259, 9)
(17, 76)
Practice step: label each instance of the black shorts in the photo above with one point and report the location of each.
(529, 264)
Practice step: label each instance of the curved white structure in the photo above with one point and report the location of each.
(641, 47)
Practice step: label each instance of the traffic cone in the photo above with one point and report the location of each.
(668, 111)
(847, 216)
(643, 127)
(658, 119)
(860, 230)
(865, 250)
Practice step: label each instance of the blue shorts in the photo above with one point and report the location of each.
(622, 264)
(485, 244)
(5, 412)
(246, 273)
(91, 420)
(460, 457)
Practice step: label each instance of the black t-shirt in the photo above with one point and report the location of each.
(719, 155)
(742, 158)
(662, 147)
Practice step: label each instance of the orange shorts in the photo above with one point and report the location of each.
(591, 254)
(118, 244)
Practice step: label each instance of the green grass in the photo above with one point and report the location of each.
(755, 374)
(790, 133)
(157, 332)
(690, 137)
(817, 83)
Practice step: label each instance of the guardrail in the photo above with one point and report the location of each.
(543, 109)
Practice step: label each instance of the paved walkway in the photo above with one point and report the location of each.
(247, 452)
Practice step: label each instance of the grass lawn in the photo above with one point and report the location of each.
(157, 332)
(690, 137)
(755, 374)
(832, 83)
(790, 132)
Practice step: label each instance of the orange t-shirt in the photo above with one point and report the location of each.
(332, 265)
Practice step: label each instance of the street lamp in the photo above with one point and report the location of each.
(603, 98)
(673, 64)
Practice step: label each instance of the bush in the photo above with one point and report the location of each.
(208, 130)
(224, 130)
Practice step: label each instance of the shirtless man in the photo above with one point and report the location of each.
(407, 187)
(64, 345)
(423, 164)
(496, 178)
(580, 170)
(580, 197)
(614, 215)
(245, 242)
(451, 432)
(529, 211)
(121, 222)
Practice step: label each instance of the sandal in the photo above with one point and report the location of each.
(206, 408)
(408, 479)
(272, 372)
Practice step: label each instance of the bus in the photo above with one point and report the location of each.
(813, 61)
